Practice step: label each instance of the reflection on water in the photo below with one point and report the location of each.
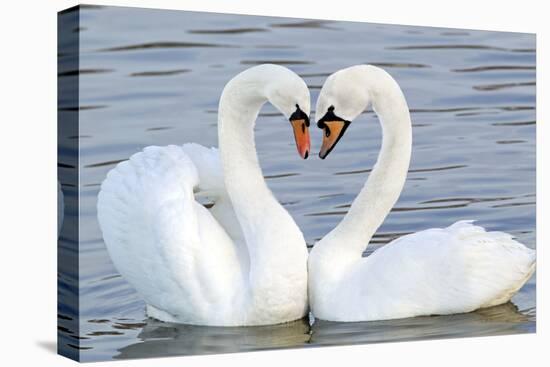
(459, 47)
(499, 320)
(158, 339)
(154, 77)
(159, 73)
(152, 45)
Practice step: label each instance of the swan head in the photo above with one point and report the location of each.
(287, 92)
(342, 98)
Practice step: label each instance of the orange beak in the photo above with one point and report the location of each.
(301, 135)
(332, 132)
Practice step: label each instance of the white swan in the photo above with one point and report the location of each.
(437, 271)
(244, 261)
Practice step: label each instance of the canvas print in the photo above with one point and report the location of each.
(232, 183)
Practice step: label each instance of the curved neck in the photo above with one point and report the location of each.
(240, 104)
(277, 253)
(272, 238)
(386, 180)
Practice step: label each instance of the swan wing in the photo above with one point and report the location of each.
(162, 241)
(212, 186)
(440, 271)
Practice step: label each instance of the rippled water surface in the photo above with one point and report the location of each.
(154, 77)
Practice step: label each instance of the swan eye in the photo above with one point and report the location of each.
(299, 115)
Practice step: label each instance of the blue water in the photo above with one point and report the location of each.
(154, 77)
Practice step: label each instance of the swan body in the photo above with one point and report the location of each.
(437, 271)
(241, 262)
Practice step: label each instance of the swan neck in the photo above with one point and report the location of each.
(239, 107)
(386, 180)
(276, 248)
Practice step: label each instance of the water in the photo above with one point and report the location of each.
(154, 77)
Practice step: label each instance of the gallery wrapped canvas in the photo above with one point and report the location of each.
(233, 183)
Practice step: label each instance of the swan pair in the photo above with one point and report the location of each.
(244, 261)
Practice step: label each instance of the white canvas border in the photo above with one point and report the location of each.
(28, 152)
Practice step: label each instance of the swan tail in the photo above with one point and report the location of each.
(498, 265)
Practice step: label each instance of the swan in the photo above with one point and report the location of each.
(241, 262)
(437, 271)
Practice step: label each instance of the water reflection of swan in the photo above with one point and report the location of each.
(244, 261)
(437, 271)
(504, 319)
(159, 339)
